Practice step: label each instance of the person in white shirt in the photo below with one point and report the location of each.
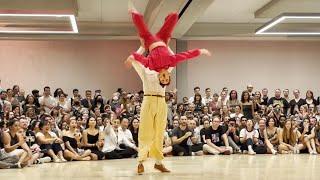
(222, 101)
(237, 113)
(248, 138)
(116, 144)
(196, 90)
(47, 101)
(124, 123)
(208, 96)
(63, 102)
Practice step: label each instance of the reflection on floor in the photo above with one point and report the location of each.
(235, 167)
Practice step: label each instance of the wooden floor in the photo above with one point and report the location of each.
(235, 167)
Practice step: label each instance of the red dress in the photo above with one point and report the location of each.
(160, 57)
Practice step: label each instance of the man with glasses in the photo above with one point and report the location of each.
(217, 140)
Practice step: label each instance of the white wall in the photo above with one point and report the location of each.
(68, 64)
(234, 64)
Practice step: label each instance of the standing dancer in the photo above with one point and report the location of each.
(154, 71)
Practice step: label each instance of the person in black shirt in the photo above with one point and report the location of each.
(279, 100)
(233, 134)
(265, 97)
(217, 140)
(206, 125)
(180, 136)
(88, 102)
(296, 103)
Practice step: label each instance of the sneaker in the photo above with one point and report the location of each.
(274, 152)
(16, 166)
(45, 160)
(250, 152)
(57, 160)
(314, 153)
(63, 159)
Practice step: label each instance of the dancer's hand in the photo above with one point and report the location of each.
(128, 62)
(205, 52)
(142, 43)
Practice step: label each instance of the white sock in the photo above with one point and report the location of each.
(250, 148)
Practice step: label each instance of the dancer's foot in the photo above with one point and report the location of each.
(131, 8)
(140, 170)
(161, 168)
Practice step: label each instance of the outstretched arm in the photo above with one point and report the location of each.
(179, 57)
(132, 62)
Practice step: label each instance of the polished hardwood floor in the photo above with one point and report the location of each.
(235, 167)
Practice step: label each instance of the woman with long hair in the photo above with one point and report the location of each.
(92, 139)
(307, 136)
(198, 103)
(310, 98)
(233, 100)
(247, 105)
(272, 132)
(14, 144)
(288, 139)
(134, 128)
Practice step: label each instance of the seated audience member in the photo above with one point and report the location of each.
(272, 132)
(316, 132)
(167, 144)
(249, 138)
(237, 112)
(276, 114)
(6, 161)
(30, 139)
(124, 123)
(116, 144)
(14, 143)
(206, 125)
(47, 101)
(195, 143)
(288, 139)
(49, 141)
(88, 102)
(92, 139)
(180, 136)
(233, 135)
(307, 136)
(71, 139)
(216, 139)
(264, 145)
(134, 128)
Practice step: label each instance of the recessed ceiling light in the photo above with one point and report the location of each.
(287, 16)
(71, 18)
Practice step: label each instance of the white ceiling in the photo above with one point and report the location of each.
(232, 11)
(107, 10)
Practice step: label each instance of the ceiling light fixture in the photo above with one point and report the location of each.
(285, 16)
(71, 18)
